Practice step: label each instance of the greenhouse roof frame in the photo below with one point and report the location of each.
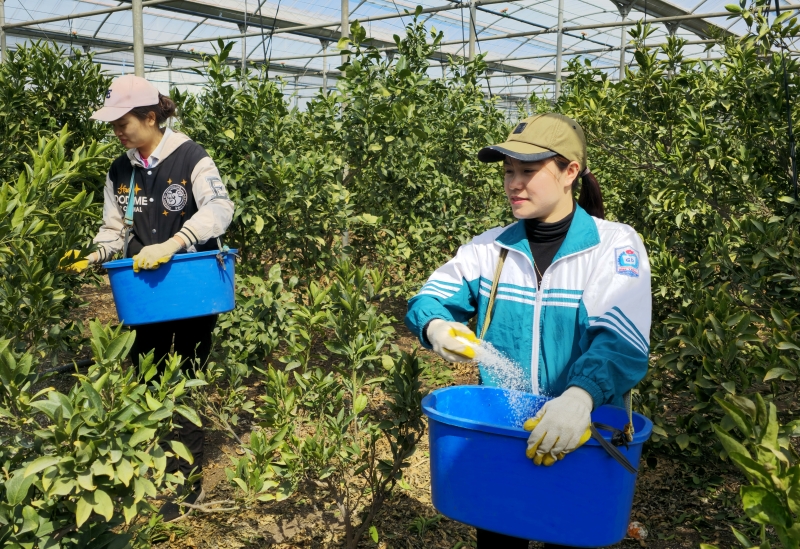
(535, 42)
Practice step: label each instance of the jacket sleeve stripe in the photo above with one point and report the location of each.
(447, 285)
(432, 288)
(632, 326)
(436, 285)
(434, 292)
(627, 328)
(611, 323)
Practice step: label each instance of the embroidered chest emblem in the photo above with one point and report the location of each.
(627, 261)
(175, 197)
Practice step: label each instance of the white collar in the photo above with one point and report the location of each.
(156, 154)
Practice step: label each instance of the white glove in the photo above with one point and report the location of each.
(451, 340)
(152, 256)
(561, 426)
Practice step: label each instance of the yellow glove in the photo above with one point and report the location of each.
(76, 266)
(152, 256)
(561, 426)
(453, 341)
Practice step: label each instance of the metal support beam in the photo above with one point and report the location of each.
(138, 38)
(2, 31)
(243, 30)
(81, 14)
(624, 10)
(610, 25)
(559, 47)
(324, 44)
(473, 33)
(345, 30)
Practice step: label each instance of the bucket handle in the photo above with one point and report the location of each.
(618, 438)
(223, 251)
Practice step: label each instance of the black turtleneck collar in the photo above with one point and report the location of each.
(545, 239)
(538, 231)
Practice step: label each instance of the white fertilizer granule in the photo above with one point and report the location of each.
(508, 374)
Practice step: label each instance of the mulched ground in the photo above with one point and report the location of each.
(680, 503)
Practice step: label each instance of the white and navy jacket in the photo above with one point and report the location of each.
(182, 193)
(588, 325)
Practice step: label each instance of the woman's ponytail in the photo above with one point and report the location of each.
(591, 198)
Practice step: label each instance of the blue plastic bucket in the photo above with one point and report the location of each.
(188, 286)
(480, 475)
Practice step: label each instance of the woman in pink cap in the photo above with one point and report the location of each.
(181, 205)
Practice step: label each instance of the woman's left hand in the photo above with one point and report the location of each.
(561, 426)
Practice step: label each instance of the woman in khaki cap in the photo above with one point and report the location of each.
(181, 205)
(572, 298)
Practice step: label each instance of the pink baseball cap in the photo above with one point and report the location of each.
(126, 93)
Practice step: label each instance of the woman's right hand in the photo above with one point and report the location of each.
(77, 266)
(444, 338)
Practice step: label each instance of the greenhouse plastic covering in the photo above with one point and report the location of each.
(534, 56)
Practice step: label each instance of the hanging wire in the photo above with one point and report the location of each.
(271, 32)
(792, 144)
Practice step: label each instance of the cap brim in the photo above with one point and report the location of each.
(109, 114)
(524, 152)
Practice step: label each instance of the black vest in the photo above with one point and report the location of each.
(164, 199)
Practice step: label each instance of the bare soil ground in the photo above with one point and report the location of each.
(681, 504)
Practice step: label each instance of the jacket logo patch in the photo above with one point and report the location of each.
(217, 186)
(174, 198)
(627, 261)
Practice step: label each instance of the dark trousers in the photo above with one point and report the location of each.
(493, 540)
(192, 340)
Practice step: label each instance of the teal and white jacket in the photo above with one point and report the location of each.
(588, 325)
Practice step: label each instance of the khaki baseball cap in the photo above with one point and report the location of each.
(126, 93)
(541, 137)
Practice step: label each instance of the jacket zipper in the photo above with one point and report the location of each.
(537, 328)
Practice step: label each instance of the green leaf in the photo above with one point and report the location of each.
(181, 451)
(229, 134)
(102, 504)
(683, 441)
(42, 463)
(124, 471)
(83, 509)
(259, 224)
(141, 435)
(741, 538)
(189, 414)
(733, 8)
(373, 533)
(764, 507)
(17, 487)
(731, 445)
(743, 423)
(775, 373)
(360, 403)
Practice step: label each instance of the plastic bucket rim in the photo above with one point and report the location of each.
(640, 437)
(128, 262)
